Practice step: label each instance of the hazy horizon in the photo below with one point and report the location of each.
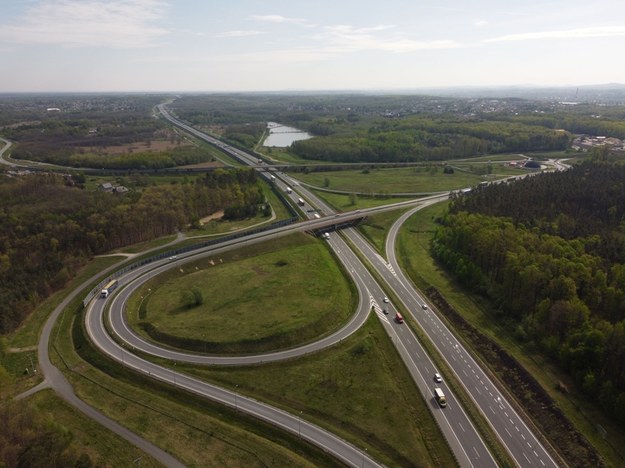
(251, 46)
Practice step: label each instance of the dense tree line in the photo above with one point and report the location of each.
(594, 124)
(424, 138)
(549, 251)
(48, 229)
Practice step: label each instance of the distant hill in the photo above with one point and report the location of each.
(608, 93)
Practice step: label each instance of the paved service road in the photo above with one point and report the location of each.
(57, 381)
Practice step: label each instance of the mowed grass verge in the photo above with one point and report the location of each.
(267, 296)
(358, 389)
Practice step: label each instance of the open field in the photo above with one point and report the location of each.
(413, 249)
(276, 303)
(152, 146)
(394, 180)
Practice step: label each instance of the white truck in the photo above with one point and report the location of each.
(108, 288)
(440, 397)
(288, 190)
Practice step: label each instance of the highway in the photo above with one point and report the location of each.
(519, 440)
(463, 438)
(414, 356)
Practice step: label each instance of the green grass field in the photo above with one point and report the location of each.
(343, 203)
(394, 180)
(276, 295)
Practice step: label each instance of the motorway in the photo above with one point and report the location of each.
(520, 442)
(463, 438)
(460, 433)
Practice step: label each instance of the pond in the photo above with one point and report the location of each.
(282, 136)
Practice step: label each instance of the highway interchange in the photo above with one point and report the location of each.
(461, 435)
(463, 438)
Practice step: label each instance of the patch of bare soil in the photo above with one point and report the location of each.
(203, 165)
(154, 146)
(216, 215)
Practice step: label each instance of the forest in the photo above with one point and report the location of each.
(549, 252)
(426, 139)
(103, 132)
(49, 227)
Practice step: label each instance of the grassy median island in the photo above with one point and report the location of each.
(267, 296)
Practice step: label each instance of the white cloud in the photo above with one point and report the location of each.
(607, 31)
(278, 19)
(239, 33)
(480, 23)
(88, 23)
(344, 38)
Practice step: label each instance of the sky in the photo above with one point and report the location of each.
(316, 45)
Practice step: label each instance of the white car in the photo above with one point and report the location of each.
(425, 307)
(385, 300)
(438, 378)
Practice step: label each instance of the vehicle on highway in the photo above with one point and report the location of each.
(438, 378)
(425, 307)
(288, 190)
(399, 318)
(326, 235)
(108, 288)
(385, 311)
(385, 300)
(300, 201)
(440, 397)
(317, 215)
(172, 258)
